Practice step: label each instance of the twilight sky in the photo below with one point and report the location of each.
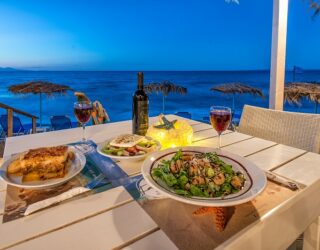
(151, 35)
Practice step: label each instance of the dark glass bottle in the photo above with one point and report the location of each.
(140, 111)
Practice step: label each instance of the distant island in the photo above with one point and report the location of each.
(10, 69)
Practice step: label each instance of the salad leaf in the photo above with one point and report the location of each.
(195, 191)
(182, 172)
(227, 169)
(206, 194)
(157, 172)
(165, 165)
(228, 178)
(177, 156)
(182, 181)
(182, 192)
(226, 188)
(169, 179)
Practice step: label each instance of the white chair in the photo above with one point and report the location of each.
(299, 130)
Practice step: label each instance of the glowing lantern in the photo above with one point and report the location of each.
(171, 134)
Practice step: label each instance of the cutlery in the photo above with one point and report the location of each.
(281, 180)
(100, 179)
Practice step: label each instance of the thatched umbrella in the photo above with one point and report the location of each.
(39, 87)
(315, 6)
(237, 88)
(164, 87)
(294, 92)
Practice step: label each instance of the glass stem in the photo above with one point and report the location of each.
(219, 141)
(84, 133)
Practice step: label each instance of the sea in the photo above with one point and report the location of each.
(114, 90)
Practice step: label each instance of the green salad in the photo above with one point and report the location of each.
(198, 174)
(143, 147)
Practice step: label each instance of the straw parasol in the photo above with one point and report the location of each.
(237, 88)
(315, 6)
(39, 87)
(294, 92)
(164, 87)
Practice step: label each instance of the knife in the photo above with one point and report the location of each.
(281, 180)
(66, 195)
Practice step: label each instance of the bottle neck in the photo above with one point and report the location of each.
(140, 80)
(140, 86)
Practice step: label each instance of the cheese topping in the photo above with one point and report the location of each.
(126, 140)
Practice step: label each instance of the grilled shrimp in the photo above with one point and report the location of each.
(198, 180)
(174, 167)
(219, 179)
(193, 170)
(236, 182)
(187, 157)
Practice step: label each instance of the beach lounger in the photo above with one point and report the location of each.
(18, 128)
(205, 119)
(184, 114)
(59, 122)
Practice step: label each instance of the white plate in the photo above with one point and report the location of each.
(116, 157)
(77, 165)
(255, 178)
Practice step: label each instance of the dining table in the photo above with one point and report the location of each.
(113, 219)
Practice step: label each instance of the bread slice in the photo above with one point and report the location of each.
(32, 176)
(14, 167)
(44, 160)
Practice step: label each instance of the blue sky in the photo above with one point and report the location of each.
(151, 35)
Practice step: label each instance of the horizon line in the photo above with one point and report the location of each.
(10, 69)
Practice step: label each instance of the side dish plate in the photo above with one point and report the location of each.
(116, 157)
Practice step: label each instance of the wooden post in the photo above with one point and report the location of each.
(34, 124)
(278, 54)
(10, 122)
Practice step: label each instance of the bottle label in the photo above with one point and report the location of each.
(143, 118)
(140, 119)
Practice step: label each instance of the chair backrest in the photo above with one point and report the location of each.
(17, 125)
(184, 114)
(59, 122)
(298, 130)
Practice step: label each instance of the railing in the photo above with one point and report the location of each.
(10, 111)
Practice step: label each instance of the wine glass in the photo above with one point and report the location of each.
(220, 118)
(83, 111)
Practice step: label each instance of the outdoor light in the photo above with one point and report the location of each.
(171, 134)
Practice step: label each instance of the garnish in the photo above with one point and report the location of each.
(165, 123)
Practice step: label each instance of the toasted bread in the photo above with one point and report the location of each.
(49, 159)
(32, 176)
(42, 163)
(14, 167)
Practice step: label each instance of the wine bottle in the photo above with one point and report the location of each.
(140, 103)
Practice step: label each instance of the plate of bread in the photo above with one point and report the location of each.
(43, 167)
